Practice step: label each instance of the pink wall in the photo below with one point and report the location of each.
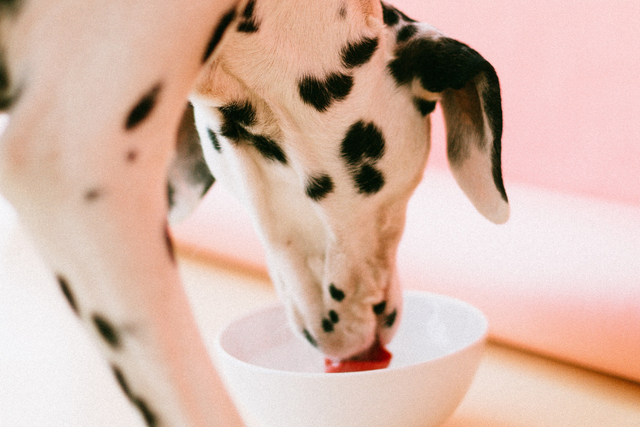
(571, 91)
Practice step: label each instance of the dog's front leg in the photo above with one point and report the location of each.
(84, 161)
(106, 239)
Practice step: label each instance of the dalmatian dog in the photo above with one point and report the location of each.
(315, 113)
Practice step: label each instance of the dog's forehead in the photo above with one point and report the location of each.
(276, 30)
(309, 88)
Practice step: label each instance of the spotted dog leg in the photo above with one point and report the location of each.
(84, 161)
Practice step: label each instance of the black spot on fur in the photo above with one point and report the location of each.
(122, 382)
(106, 330)
(322, 93)
(143, 108)
(214, 140)
(362, 146)
(249, 9)
(235, 116)
(359, 53)
(438, 64)
(425, 107)
(248, 26)
(148, 415)
(391, 16)
(369, 180)
(131, 156)
(327, 325)
(92, 195)
(171, 192)
(333, 316)
(11, 5)
(8, 94)
(363, 141)
(66, 291)
(310, 338)
(319, 187)
(391, 319)
(169, 243)
(342, 12)
(336, 294)
(268, 148)
(222, 26)
(248, 23)
(380, 308)
(406, 33)
(6, 100)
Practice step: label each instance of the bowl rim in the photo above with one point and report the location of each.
(480, 340)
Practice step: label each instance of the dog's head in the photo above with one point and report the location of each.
(317, 115)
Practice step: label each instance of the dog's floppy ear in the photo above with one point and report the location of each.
(467, 86)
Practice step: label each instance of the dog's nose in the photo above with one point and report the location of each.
(348, 324)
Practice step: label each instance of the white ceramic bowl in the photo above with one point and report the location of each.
(277, 379)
